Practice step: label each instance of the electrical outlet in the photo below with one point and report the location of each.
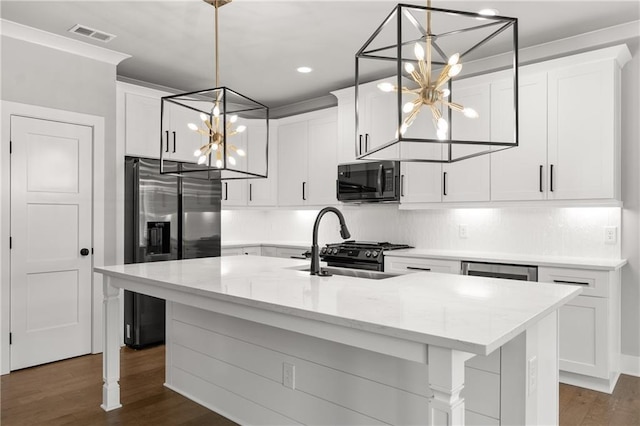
(288, 375)
(610, 234)
(533, 376)
(463, 231)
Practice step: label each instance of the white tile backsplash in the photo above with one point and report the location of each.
(551, 231)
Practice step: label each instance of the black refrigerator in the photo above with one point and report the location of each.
(166, 218)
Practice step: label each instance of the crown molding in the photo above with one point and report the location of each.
(43, 38)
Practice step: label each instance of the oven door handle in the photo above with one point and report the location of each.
(380, 180)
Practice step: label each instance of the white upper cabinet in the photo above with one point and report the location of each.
(259, 191)
(140, 118)
(520, 173)
(468, 180)
(583, 128)
(346, 149)
(307, 159)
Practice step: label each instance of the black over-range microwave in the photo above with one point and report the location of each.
(373, 181)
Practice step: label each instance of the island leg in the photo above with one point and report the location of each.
(446, 381)
(111, 354)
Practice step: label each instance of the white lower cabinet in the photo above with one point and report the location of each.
(589, 327)
(407, 265)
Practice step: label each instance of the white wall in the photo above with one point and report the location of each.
(549, 231)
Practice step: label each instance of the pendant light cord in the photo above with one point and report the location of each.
(216, 37)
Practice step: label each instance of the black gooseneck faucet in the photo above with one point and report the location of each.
(315, 251)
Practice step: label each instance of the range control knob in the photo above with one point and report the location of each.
(368, 253)
(324, 250)
(335, 251)
(375, 254)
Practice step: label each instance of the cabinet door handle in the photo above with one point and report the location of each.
(541, 190)
(444, 183)
(360, 144)
(366, 142)
(304, 196)
(250, 187)
(167, 139)
(551, 178)
(402, 185)
(415, 268)
(226, 191)
(570, 282)
(174, 142)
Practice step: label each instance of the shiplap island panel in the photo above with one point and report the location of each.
(259, 341)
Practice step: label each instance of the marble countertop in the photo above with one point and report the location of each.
(472, 314)
(535, 260)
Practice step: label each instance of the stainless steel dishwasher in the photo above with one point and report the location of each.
(500, 270)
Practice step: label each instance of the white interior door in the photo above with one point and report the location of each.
(50, 224)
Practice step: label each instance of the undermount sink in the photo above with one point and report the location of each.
(357, 273)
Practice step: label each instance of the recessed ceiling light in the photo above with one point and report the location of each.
(489, 12)
(304, 70)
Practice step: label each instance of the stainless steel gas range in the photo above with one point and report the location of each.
(358, 254)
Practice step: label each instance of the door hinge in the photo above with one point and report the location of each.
(10, 338)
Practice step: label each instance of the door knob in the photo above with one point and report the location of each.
(84, 252)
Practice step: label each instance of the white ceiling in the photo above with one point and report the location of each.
(262, 42)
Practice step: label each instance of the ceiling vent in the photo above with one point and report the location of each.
(91, 33)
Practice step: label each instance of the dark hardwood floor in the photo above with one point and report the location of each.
(70, 392)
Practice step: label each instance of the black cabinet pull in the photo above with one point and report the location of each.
(226, 191)
(570, 282)
(444, 183)
(167, 139)
(360, 144)
(551, 180)
(415, 268)
(304, 196)
(84, 252)
(541, 190)
(366, 142)
(174, 142)
(250, 187)
(402, 185)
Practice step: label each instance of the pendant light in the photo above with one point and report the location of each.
(225, 134)
(425, 61)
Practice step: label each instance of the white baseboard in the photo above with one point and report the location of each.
(630, 365)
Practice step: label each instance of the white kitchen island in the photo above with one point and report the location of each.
(261, 342)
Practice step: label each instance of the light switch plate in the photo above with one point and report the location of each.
(463, 231)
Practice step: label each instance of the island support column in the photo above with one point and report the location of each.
(446, 381)
(111, 354)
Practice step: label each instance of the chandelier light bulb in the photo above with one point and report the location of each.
(218, 163)
(386, 87)
(233, 118)
(241, 128)
(442, 125)
(403, 129)
(453, 59)
(216, 111)
(197, 153)
(203, 116)
(408, 107)
(232, 160)
(455, 70)
(202, 159)
(214, 147)
(418, 51)
(192, 126)
(445, 93)
(408, 67)
(470, 112)
(240, 152)
(442, 134)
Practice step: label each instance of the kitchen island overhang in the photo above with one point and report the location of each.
(436, 320)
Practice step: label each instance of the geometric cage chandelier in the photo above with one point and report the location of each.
(416, 113)
(215, 133)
